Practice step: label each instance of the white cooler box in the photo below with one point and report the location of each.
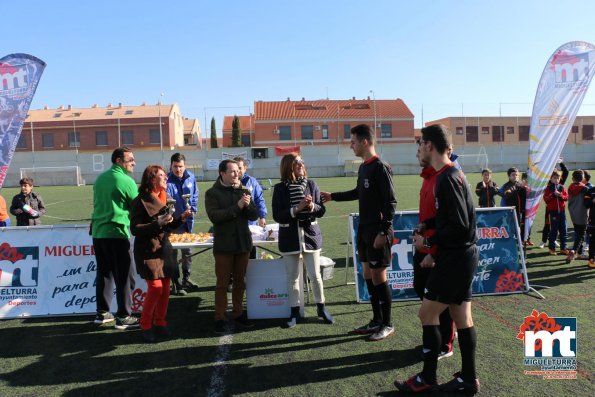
(266, 289)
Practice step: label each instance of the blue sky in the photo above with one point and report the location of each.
(451, 57)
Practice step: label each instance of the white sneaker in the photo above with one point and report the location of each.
(542, 245)
(557, 243)
(444, 355)
(383, 333)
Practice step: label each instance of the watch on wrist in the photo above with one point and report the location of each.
(382, 233)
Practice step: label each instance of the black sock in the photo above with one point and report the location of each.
(374, 301)
(447, 331)
(467, 343)
(431, 346)
(385, 300)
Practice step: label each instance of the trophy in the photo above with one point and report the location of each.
(186, 198)
(171, 206)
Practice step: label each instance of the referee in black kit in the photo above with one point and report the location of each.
(377, 206)
(449, 283)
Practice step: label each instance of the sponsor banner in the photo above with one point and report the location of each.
(501, 268)
(51, 270)
(19, 76)
(561, 90)
(550, 344)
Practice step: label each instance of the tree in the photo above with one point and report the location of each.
(236, 136)
(213, 134)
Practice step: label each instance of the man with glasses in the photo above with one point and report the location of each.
(377, 204)
(113, 192)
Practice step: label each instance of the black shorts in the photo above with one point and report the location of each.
(451, 279)
(376, 258)
(420, 274)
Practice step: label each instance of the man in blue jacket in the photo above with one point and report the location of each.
(181, 182)
(257, 196)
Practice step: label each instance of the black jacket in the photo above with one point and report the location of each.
(487, 194)
(35, 201)
(289, 241)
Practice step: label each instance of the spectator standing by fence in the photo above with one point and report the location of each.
(27, 206)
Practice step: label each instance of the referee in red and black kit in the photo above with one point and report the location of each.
(377, 204)
(449, 283)
(424, 257)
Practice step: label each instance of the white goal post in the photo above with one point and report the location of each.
(473, 162)
(54, 176)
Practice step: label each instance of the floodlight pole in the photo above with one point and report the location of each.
(160, 128)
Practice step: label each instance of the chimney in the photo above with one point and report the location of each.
(61, 107)
(368, 97)
(144, 104)
(94, 106)
(109, 105)
(69, 107)
(303, 99)
(353, 98)
(46, 107)
(288, 99)
(120, 105)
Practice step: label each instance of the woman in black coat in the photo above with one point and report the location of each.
(150, 223)
(296, 205)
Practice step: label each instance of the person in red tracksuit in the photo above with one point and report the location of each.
(426, 228)
(555, 197)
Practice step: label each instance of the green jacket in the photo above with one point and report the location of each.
(113, 193)
(231, 233)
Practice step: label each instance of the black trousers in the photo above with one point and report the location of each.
(113, 267)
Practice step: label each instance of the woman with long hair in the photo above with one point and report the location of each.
(296, 207)
(151, 222)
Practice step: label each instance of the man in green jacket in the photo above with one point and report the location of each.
(113, 193)
(229, 206)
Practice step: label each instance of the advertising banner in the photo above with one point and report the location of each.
(561, 90)
(19, 76)
(501, 268)
(50, 270)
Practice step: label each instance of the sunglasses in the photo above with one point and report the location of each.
(300, 162)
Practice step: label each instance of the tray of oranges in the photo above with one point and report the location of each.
(189, 238)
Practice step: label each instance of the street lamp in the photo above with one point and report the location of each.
(160, 128)
(375, 122)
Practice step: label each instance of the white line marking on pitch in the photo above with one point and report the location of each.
(217, 385)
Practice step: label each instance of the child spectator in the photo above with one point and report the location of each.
(578, 214)
(514, 194)
(4, 218)
(27, 206)
(555, 197)
(547, 221)
(590, 204)
(486, 190)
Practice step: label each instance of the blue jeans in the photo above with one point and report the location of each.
(558, 224)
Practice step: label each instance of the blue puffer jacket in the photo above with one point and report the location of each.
(176, 187)
(257, 195)
(289, 233)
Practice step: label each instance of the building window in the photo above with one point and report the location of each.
(129, 112)
(472, 133)
(497, 133)
(509, 130)
(524, 133)
(575, 129)
(324, 131)
(154, 136)
(127, 138)
(459, 131)
(74, 139)
(386, 130)
(485, 130)
(47, 140)
(56, 115)
(109, 112)
(246, 140)
(285, 133)
(308, 132)
(22, 142)
(347, 131)
(588, 132)
(100, 138)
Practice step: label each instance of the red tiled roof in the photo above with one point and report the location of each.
(96, 112)
(246, 123)
(331, 109)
